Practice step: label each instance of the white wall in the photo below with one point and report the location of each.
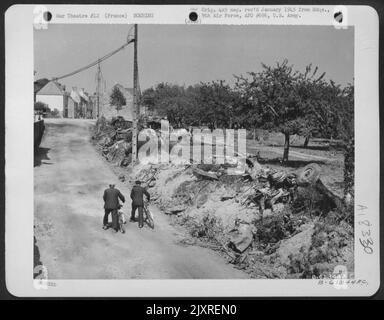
(53, 102)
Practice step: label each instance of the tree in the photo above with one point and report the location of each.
(272, 101)
(293, 102)
(117, 99)
(175, 102)
(41, 107)
(215, 101)
(210, 104)
(148, 99)
(277, 98)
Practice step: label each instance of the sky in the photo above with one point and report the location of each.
(189, 54)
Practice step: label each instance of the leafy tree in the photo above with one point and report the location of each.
(171, 101)
(55, 113)
(277, 98)
(148, 99)
(41, 107)
(272, 101)
(292, 102)
(330, 114)
(117, 99)
(215, 102)
(210, 104)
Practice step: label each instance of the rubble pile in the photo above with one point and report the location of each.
(264, 215)
(115, 140)
(271, 223)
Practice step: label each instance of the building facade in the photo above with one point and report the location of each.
(53, 94)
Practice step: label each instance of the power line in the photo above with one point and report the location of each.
(95, 62)
(130, 38)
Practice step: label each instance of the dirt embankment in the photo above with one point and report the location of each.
(291, 238)
(263, 222)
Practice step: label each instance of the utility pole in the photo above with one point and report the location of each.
(135, 109)
(98, 89)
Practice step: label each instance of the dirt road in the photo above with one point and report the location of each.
(70, 178)
(293, 155)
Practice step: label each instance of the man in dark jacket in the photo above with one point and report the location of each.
(111, 205)
(137, 195)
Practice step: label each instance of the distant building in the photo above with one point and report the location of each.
(37, 86)
(80, 105)
(53, 94)
(69, 107)
(109, 111)
(75, 104)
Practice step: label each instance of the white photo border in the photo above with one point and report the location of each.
(19, 21)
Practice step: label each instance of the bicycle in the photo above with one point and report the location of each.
(121, 219)
(148, 216)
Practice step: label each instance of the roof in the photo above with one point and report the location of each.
(83, 95)
(75, 96)
(52, 88)
(38, 84)
(78, 94)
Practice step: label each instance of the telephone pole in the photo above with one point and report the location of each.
(98, 89)
(135, 109)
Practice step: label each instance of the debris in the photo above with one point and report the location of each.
(276, 227)
(225, 198)
(124, 134)
(279, 195)
(120, 123)
(330, 195)
(267, 213)
(241, 237)
(309, 175)
(175, 210)
(152, 183)
(209, 167)
(281, 179)
(126, 161)
(273, 209)
(278, 208)
(205, 174)
(299, 242)
(201, 199)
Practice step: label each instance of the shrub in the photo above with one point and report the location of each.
(41, 107)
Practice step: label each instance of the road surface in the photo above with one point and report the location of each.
(70, 178)
(293, 155)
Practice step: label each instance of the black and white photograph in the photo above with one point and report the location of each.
(220, 151)
(101, 212)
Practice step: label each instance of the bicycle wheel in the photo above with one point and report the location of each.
(149, 218)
